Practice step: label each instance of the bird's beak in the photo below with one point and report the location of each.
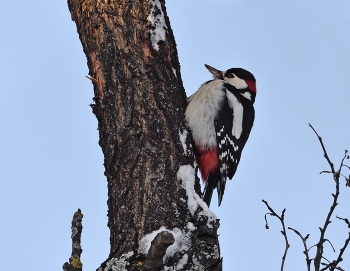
(216, 73)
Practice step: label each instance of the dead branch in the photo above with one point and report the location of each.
(335, 263)
(77, 227)
(324, 150)
(336, 175)
(306, 251)
(331, 265)
(284, 233)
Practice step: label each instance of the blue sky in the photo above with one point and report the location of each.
(51, 163)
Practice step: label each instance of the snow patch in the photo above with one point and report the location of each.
(183, 137)
(183, 261)
(186, 173)
(158, 26)
(118, 264)
(182, 243)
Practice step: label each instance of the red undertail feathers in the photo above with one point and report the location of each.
(208, 161)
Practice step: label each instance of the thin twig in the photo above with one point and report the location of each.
(333, 265)
(342, 250)
(306, 251)
(324, 150)
(345, 219)
(284, 233)
(326, 260)
(325, 171)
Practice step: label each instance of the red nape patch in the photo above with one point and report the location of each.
(208, 162)
(251, 85)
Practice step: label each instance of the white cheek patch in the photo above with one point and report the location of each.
(237, 82)
(237, 107)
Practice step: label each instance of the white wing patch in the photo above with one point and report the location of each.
(237, 107)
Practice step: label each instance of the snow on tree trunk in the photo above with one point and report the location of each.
(139, 102)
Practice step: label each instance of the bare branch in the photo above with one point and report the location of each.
(320, 244)
(342, 250)
(324, 150)
(74, 261)
(336, 174)
(345, 219)
(306, 251)
(284, 233)
(330, 244)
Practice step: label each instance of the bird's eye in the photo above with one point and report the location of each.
(230, 75)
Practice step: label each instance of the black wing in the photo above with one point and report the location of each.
(229, 147)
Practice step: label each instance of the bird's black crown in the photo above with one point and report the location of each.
(242, 73)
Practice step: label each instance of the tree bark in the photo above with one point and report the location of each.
(74, 261)
(139, 102)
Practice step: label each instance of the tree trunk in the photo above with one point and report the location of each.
(139, 103)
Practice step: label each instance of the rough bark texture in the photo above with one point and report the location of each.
(139, 102)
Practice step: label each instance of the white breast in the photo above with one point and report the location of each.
(201, 111)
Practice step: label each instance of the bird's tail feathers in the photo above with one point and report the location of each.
(208, 193)
(211, 183)
(221, 188)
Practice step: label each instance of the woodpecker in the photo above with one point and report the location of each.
(220, 116)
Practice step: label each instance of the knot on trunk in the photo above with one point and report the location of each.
(159, 245)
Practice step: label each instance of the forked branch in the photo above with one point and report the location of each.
(283, 231)
(306, 250)
(336, 175)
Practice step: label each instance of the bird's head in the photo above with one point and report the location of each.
(241, 79)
